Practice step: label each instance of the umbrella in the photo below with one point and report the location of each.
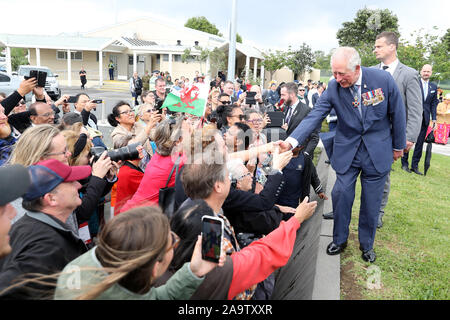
(427, 158)
(429, 139)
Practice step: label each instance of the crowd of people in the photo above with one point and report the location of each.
(167, 170)
(53, 219)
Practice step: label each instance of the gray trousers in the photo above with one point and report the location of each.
(386, 190)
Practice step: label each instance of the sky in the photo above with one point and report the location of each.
(264, 24)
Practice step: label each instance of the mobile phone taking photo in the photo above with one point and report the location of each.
(212, 235)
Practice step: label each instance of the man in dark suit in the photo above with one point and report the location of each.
(407, 80)
(430, 102)
(294, 112)
(371, 133)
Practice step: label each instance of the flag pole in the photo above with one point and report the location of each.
(232, 44)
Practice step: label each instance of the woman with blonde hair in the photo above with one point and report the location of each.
(121, 267)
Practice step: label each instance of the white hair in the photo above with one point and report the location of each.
(348, 53)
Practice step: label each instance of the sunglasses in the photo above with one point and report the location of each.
(225, 102)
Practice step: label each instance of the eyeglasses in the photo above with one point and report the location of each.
(225, 102)
(63, 153)
(126, 112)
(175, 241)
(46, 115)
(245, 175)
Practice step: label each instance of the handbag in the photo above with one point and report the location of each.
(430, 136)
(166, 198)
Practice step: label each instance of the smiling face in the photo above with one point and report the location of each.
(343, 75)
(126, 115)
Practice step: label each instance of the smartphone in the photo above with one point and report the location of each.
(250, 98)
(98, 101)
(41, 78)
(212, 235)
(72, 99)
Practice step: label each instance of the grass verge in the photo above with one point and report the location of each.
(412, 247)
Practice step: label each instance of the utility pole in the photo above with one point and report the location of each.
(232, 44)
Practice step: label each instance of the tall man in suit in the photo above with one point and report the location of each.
(430, 102)
(370, 134)
(407, 80)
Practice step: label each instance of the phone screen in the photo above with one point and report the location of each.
(212, 232)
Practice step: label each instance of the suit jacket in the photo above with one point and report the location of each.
(430, 103)
(382, 127)
(407, 80)
(300, 112)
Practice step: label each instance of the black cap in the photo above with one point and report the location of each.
(15, 180)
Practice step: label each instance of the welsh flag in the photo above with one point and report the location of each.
(190, 100)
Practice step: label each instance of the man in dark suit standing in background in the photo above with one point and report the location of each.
(407, 80)
(430, 102)
(370, 135)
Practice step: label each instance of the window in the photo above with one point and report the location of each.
(165, 57)
(177, 57)
(74, 55)
(4, 78)
(130, 60)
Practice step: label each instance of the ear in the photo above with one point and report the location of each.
(155, 270)
(49, 199)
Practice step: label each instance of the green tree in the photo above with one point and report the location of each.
(202, 24)
(426, 48)
(18, 57)
(367, 24)
(274, 61)
(301, 60)
(322, 60)
(187, 56)
(218, 60)
(238, 38)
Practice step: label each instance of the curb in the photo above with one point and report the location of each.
(327, 277)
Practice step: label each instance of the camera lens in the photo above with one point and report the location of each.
(129, 152)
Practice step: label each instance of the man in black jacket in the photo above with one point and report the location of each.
(41, 241)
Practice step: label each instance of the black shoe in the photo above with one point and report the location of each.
(406, 169)
(369, 256)
(380, 222)
(416, 171)
(328, 215)
(334, 249)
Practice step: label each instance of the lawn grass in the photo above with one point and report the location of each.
(412, 248)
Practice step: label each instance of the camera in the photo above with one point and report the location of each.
(129, 152)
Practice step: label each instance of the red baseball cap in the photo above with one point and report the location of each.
(47, 175)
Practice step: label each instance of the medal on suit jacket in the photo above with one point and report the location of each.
(372, 98)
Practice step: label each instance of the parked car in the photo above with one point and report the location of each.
(51, 85)
(10, 83)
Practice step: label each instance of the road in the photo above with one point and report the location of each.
(110, 98)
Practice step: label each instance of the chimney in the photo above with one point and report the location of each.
(178, 42)
(196, 43)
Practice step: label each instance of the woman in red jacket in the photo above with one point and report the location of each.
(167, 136)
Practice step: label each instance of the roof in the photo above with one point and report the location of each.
(54, 42)
(245, 49)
